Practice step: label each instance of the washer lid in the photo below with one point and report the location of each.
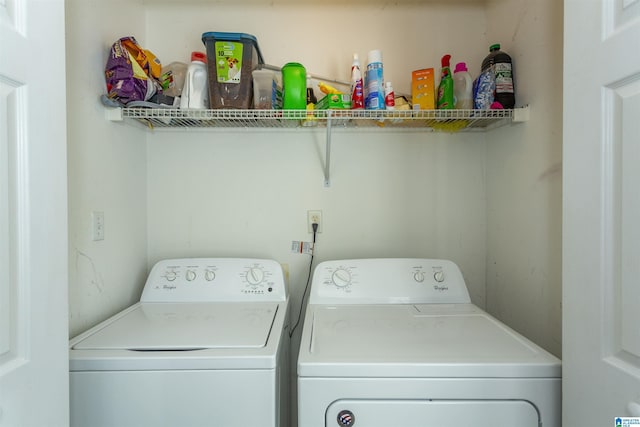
(428, 340)
(187, 326)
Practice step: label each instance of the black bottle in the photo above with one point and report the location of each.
(311, 97)
(503, 72)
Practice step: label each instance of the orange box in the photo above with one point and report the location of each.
(423, 89)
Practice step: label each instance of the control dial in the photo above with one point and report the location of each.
(439, 276)
(190, 276)
(418, 276)
(209, 275)
(255, 276)
(170, 275)
(341, 277)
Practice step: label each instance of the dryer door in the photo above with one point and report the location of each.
(432, 413)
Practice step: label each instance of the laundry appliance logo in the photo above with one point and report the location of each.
(441, 288)
(627, 421)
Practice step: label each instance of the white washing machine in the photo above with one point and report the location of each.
(207, 345)
(397, 342)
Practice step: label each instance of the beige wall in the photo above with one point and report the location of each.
(107, 171)
(488, 201)
(524, 177)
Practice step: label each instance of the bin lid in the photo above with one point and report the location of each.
(234, 37)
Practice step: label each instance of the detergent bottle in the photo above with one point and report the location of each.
(445, 89)
(195, 93)
(462, 87)
(294, 86)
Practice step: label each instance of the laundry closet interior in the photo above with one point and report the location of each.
(488, 200)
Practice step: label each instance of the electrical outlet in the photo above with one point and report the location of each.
(97, 225)
(314, 217)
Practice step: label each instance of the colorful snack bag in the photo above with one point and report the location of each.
(131, 72)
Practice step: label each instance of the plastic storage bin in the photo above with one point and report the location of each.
(266, 95)
(232, 57)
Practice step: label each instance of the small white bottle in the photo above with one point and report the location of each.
(195, 93)
(462, 87)
(389, 97)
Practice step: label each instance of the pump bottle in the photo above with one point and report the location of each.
(357, 90)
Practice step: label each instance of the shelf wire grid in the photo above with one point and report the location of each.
(438, 120)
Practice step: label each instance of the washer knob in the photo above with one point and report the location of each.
(418, 276)
(170, 275)
(191, 275)
(255, 276)
(439, 276)
(346, 418)
(341, 277)
(209, 275)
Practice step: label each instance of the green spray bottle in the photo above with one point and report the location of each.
(445, 89)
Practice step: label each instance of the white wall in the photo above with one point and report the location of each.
(392, 194)
(106, 170)
(323, 36)
(246, 192)
(524, 176)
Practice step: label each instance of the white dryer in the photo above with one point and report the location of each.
(207, 345)
(397, 342)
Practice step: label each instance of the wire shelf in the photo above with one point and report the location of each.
(437, 120)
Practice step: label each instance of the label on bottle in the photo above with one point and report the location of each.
(504, 79)
(357, 95)
(375, 89)
(390, 100)
(229, 61)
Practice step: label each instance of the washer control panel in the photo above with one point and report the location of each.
(215, 279)
(388, 280)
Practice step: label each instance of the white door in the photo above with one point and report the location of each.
(601, 231)
(33, 215)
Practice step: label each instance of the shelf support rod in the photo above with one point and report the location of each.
(327, 155)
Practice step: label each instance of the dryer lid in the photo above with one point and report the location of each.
(186, 326)
(427, 340)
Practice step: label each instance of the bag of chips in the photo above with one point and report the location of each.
(131, 72)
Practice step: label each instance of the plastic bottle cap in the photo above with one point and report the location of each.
(356, 59)
(198, 56)
(494, 47)
(445, 60)
(375, 56)
(388, 84)
(461, 66)
(293, 65)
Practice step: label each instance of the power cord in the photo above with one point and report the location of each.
(314, 226)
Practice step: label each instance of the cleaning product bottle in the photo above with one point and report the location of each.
(389, 97)
(357, 90)
(195, 93)
(294, 86)
(374, 99)
(311, 104)
(502, 67)
(445, 89)
(462, 87)
(311, 96)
